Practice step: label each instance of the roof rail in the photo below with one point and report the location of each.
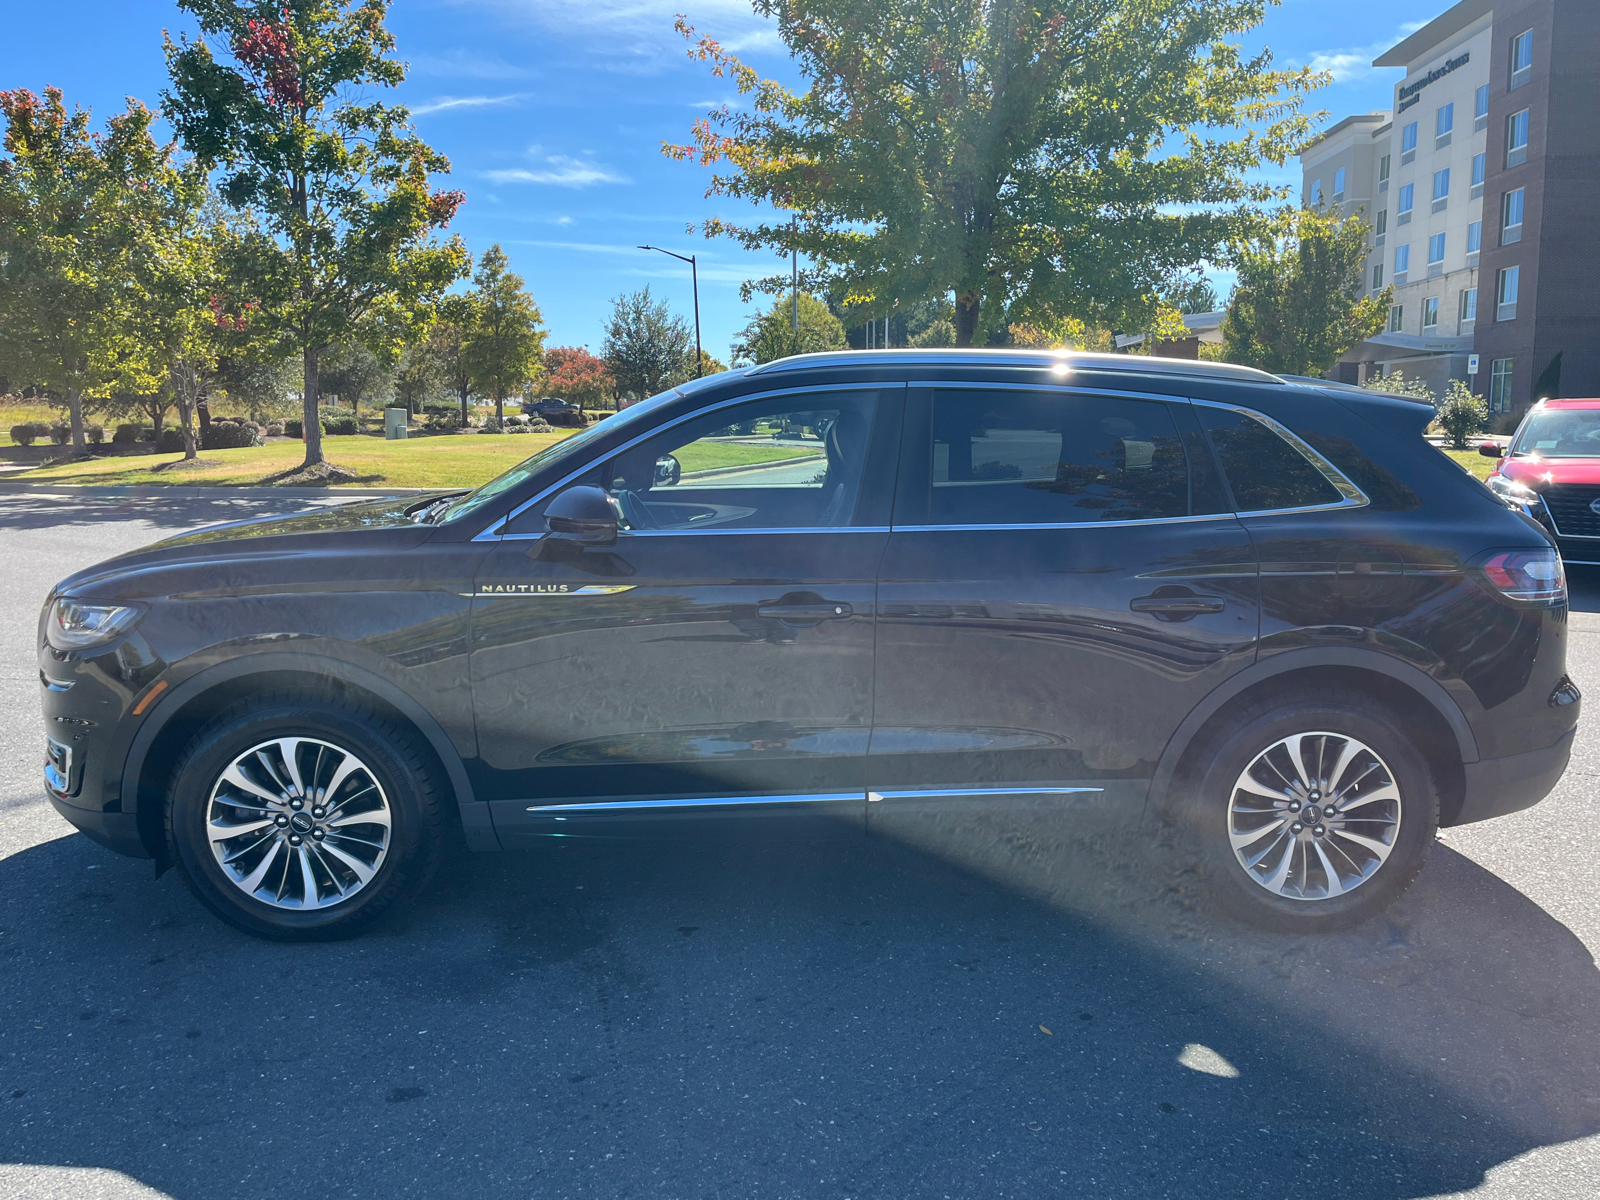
(1068, 360)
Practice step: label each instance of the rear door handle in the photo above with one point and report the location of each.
(824, 611)
(1176, 605)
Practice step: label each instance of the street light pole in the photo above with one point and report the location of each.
(694, 274)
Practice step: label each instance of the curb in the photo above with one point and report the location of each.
(179, 492)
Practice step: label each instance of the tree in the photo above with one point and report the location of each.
(771, 334)
(1298, 304)
(572, 373)
(419, 374)
(69, 204)
(341, 180)
(352, 371)
(504, 351)
(1399, 384)
(646, 348)
(1461, 414)
(1038, 160)
(1190, 296)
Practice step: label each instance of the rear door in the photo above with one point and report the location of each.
(1062, 584)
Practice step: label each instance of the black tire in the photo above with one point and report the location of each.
(387, 752)
(1256, 730)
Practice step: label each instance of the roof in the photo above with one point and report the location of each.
(1573, 403)
(1056, 359)
(1448, 23)
(1377, 116)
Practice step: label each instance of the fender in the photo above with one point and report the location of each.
(1293, 660)
(475, 820)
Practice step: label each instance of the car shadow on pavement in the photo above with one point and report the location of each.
(995, 1011)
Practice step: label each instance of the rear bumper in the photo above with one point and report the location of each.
(1497, 786)
(113, 830)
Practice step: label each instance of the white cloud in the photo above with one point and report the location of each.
(640, 30)
(463, 64)
(443, 103)
(560, 171)
(1345, 65)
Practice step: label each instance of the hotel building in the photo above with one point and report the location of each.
(1480, 187)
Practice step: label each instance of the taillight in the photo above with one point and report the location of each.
(1531, 576)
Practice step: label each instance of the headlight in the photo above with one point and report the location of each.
(73, 625)
(1513, 493)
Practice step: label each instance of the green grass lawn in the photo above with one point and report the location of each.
(706, 456)
(1472, 461)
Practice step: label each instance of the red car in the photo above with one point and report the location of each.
(1551, 471)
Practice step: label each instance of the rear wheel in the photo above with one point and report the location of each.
(1314, 814)
(300, 819)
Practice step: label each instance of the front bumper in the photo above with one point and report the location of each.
(113, 830)
(1497, 786)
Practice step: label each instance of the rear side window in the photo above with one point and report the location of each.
(1026, 458)
(1265, 471)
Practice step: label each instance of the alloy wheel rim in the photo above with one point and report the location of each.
(298, 823)
(1314, 816)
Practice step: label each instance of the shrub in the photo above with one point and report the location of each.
(29, 432)
(95, 433)
(445, 418)
(540, 425)
(1461, 414)
(293, 428)
(518, 429)
(125, 435)
(61, 433)
(275, 429)
(231, 435)
(341, 426)
(171, 442)
(492, 425)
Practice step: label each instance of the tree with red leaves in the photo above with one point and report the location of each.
(1033, 160)
(274, 97)
(572, 373)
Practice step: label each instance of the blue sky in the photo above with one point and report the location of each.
(553, 112)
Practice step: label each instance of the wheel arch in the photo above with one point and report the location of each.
(1433, 718)
(155, 748)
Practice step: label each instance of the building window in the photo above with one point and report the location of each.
(1480, 109)
(1443, 122)
(1381, 228)
(1500, 385)
(1436, 249)
(1474, 237)
(1316, 191)
(1383, 173)
(1506, 294)
(1338, 185)
(1521, 59)
(1407, 194)
(1480, 168)
(1517, 138)
(1377, 277)
(1441, 189)
(1397, 317)
(1402, 262)
(1430, 313)
(1468, 313)
(1511, 217)
(1408, 142)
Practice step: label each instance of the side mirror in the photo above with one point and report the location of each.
(668, 471)
(582, 516)
(1491, 450)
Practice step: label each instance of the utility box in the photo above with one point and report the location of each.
(394, 423)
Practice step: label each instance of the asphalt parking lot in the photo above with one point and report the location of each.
(996, 1011)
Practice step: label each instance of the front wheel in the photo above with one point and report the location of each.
(1316, 814)
(301, 819)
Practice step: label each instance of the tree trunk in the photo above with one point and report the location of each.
(312, 426)
(966, 318)
(500, 412)
(202, 412)
(464, 424)
(157, 420)
(75, 412)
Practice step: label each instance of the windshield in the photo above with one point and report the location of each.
(557, 452)
(1568, 433)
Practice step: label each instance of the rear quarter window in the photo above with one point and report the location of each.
(1264, 471)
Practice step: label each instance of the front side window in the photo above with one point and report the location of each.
(1500, 385)
(1397, 317)
(1264, 470)
(1521, 59)
(1506, 294)
(1436, 249)
(1050, 458)
(791, 462)
(1408, 139)
(1517, 138)
(1407, 195)
(1430, 312)
(1511, 217)
(1441, 184)
(1444, 120)
(1402, 259)
(1474, 237)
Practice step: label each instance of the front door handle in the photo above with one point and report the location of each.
(822, 611)
(1176, 604)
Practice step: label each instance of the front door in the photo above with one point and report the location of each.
(1063, 583)
(718, 659)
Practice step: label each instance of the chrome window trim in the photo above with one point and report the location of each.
(489, 535)
(730, 532)
(969, 357)
(701, 802)
(1354, 497)
(1222, 516)
(913, 793)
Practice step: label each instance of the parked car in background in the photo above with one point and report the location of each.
(1551, 471)
(554, 410)
(1100, 586)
